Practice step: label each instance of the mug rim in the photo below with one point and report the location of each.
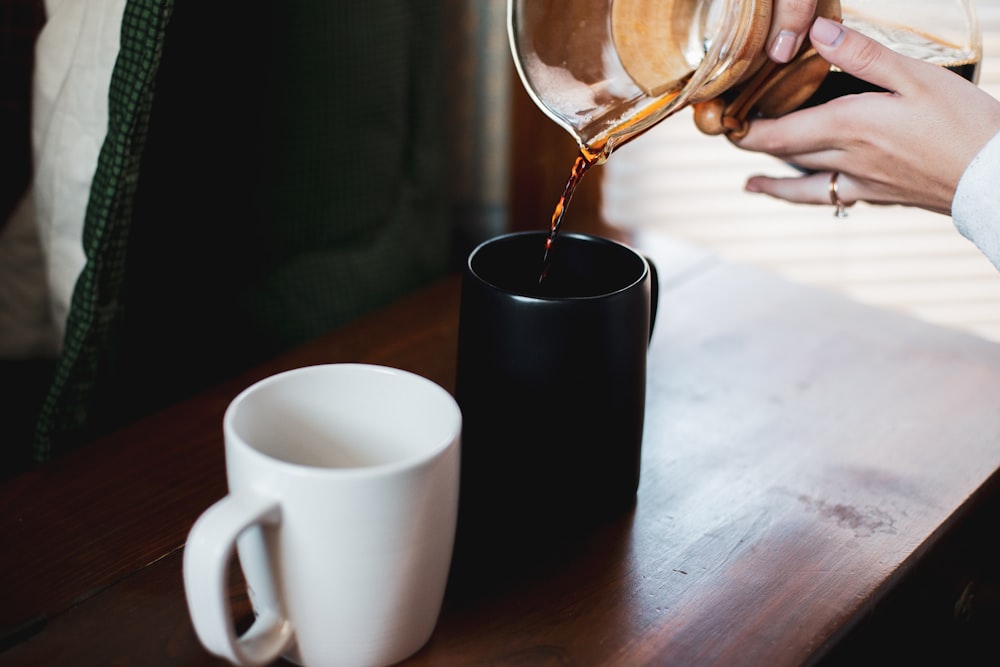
(579, 236)
(232, 437)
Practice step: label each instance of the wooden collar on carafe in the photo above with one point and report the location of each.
(649, 35)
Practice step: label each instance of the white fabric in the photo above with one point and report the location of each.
(26, 329)
(976, 207)
(41, 249)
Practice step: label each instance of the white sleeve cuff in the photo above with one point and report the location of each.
(976, 207)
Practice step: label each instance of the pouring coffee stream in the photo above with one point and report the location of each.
(607, 71)
(580, 167)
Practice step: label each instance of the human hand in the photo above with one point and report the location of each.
(909, 146)
(790, 23)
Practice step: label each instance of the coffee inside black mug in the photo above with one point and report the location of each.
(552, 383)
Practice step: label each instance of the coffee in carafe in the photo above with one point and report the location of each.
(608, 70)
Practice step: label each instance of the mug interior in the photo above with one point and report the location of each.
(581, 266)
(345, 416)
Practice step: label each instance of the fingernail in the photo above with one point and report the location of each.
(783, 47)
(751, 187)
(825, 31)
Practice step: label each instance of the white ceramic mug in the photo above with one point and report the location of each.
(343, 495)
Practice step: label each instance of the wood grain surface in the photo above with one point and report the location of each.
(803, 454)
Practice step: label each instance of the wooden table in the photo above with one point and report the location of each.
(803, 456)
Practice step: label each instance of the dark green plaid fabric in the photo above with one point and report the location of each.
(88, 348)
(271, 171)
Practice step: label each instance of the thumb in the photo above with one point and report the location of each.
(856, 54)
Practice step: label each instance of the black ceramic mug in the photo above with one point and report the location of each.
(552, 384)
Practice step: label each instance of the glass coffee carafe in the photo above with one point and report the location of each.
(607, 70)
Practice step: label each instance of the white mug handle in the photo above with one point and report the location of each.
(209, 548)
